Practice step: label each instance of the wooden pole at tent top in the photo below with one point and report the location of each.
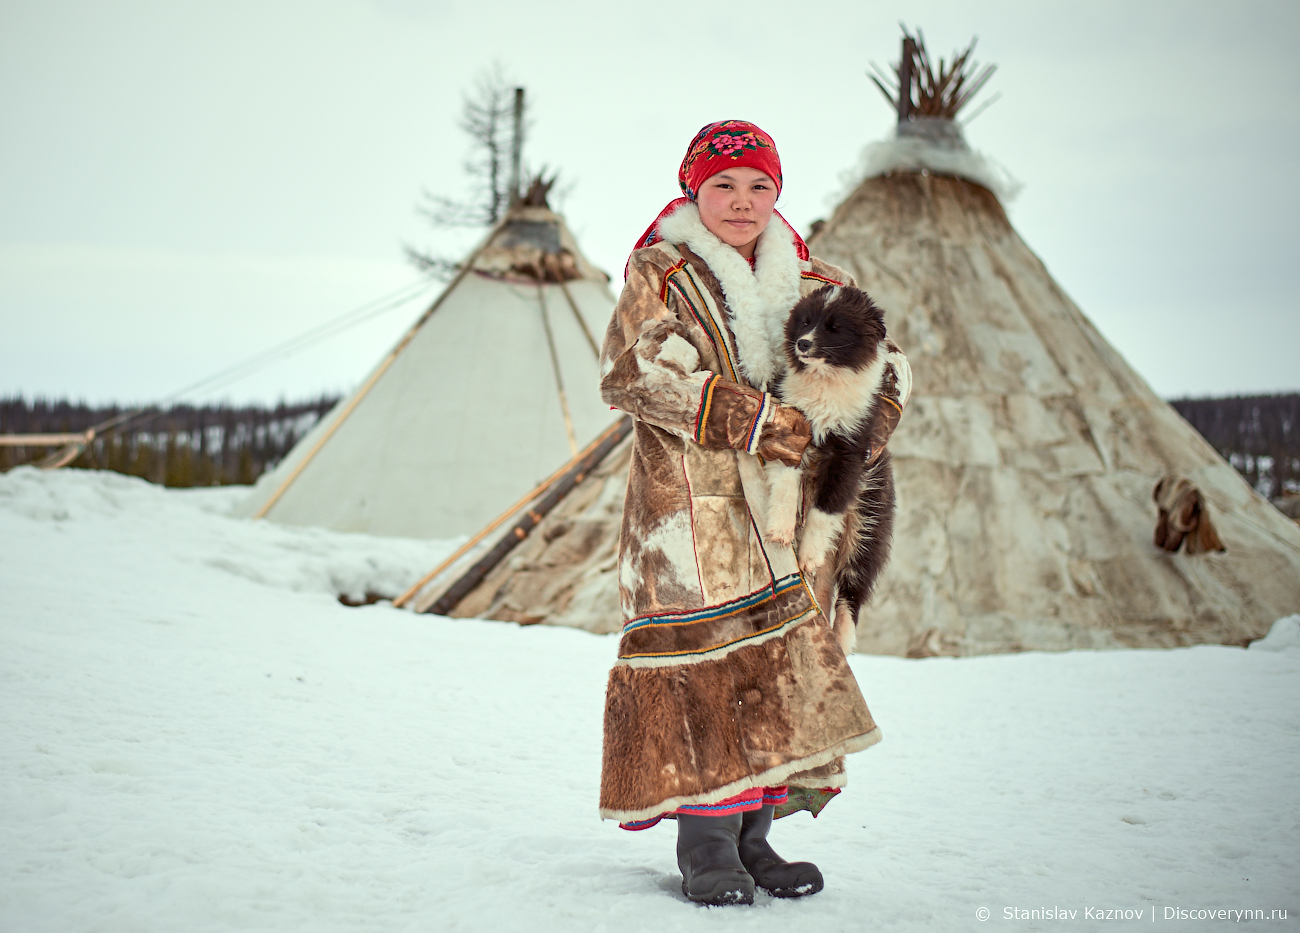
(905, 80)
(517, 149)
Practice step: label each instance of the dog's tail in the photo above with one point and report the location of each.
(864, 550)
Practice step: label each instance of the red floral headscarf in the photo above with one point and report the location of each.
(716, 148)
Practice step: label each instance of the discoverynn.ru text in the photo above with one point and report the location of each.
(1121, 913)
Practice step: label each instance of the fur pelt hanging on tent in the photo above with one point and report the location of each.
(1184, 517)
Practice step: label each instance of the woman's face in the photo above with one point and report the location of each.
(736, 205)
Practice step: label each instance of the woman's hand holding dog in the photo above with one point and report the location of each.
(785, 436)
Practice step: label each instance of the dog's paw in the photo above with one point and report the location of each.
(782, 503)
(810, 562)
(780, 532)
(820, 534)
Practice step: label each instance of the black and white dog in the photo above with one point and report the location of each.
(845, 375)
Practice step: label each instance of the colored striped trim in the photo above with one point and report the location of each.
(886, 398)
(712, 633)
(663, 289)
(705, 320)
(715, 651)
(819, 278)
(706, 402)
(720, 611)
(756, 429)
(695, 312)
(718, 329)
(719, 649)
(747, 801)
(719, 810)
(700, 310)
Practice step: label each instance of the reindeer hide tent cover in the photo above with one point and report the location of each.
(493, 388)
(1024, 464)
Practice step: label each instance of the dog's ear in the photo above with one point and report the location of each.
(868, 312)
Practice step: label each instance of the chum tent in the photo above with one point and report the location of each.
(492, 389)
(1026, 459)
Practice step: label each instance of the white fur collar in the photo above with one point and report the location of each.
(758, 300)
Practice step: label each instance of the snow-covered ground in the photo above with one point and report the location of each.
(198, 736)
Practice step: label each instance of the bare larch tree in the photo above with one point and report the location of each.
(490, 118)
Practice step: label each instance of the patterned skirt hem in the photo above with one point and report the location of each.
(770, 778)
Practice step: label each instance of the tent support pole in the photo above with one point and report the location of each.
(573, 305)
(559, 378)
(393, 354)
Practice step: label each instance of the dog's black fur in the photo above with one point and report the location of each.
(835, 343)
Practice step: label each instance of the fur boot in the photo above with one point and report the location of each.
(772, 873)
(708, 857)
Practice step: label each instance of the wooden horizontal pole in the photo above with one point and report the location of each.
(576, 473)
(44, 440)
(501, 519)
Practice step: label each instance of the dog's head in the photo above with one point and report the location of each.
(838, 326)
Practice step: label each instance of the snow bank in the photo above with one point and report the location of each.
(189, 527)
(1284, 634)
(199, 737)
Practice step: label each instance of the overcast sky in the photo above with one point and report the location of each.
(183, 185)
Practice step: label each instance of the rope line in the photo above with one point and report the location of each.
(393, 354)
(283, 350)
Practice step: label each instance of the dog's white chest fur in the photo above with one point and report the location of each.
(834, 399)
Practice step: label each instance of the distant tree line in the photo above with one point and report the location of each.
(211, 445)
(183, 445)
(1257, 434)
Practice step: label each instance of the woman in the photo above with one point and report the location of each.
(731, 697)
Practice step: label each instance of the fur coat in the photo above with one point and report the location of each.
(728, 676)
